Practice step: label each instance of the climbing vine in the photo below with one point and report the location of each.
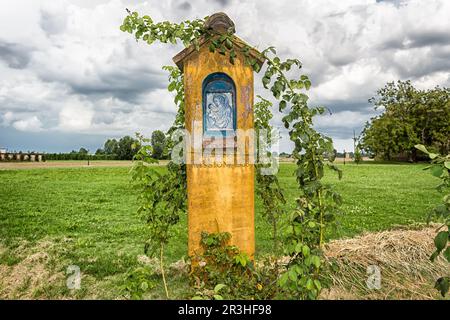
(306, 226)
(440, 168)
(317, 203)
(268, 188)
(162, 197)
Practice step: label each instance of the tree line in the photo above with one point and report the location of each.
(124, 148)
(410, 116)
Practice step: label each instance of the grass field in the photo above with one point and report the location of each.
(13, 165)
(54, 217)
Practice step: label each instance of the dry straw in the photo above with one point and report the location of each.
(402, 257)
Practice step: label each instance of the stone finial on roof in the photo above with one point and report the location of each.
(220, 23)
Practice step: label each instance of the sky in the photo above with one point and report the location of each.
(69, 78)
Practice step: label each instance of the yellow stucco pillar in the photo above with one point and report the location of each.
(219, 104)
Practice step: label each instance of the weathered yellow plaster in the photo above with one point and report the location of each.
(220, 196)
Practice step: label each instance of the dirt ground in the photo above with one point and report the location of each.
(337, 160)
(66, 164)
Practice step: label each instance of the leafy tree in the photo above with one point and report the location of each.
(83, 151)
(127, 148)
(159, 143)
(357, 156)
(100, 151)
(111, 146)
(410, 117)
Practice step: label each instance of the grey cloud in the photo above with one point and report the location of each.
(52, 23)
(223, 3)
(417, 39)
(18, 107)
(397, 3)
(429, 38)
(339, 60)
(125, 84)
(340, 105)
(15, 55)
(185, 6)
(425, 62)
(431, 65)
(339, 132)
(48, 141)
(396, 43)
(103, 117)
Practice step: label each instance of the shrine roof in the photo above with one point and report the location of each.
(220, 23)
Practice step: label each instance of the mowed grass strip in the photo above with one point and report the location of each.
(91, 212)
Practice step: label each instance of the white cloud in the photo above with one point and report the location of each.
(343, 144)
(344, 119)
(32, 124)
(69, 68)
(75, 115)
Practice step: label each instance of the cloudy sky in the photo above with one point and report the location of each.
(70, 78)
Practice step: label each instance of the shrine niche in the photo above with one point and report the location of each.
(219, 105)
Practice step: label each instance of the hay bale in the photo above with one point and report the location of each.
(402, 257)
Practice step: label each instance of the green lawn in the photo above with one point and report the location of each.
(89, 214)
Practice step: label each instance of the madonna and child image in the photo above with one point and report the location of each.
(219, 112)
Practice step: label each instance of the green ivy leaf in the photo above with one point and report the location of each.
(309, 284)
(315, 261)
(318, 285)
(172, 86)
(307, 84)
(447, 254)
(283, 279)
(434, 255)
(437, 170)
(443, 285)
(265, 81)
(228, 44)
(422, 148)
(144, 286)
(440, 241)
(433, 155)
(292, 275)
(305, 250)
(219, 287)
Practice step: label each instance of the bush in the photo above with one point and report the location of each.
(224, 268)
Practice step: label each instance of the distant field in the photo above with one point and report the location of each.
(62, 164)
(86, 216)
